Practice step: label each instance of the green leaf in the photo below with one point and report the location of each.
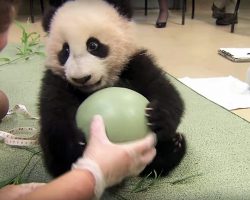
(4, 59)
(20, 51)
(29, 49)
(30, 44)
(185, 179)
(24, 38)
(33, 44)
(40, 46)
(39, 53)
(8, 181)
(32, 33)
(18, 179)
(18, 48)
(146, 182)
(19, 25)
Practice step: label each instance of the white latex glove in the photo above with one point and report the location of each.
(110, 163)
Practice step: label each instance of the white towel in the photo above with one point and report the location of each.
(228, 92)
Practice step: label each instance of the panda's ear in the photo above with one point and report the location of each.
(47, 18)
(123, 7)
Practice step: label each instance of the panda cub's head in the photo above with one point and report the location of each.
(89, 43)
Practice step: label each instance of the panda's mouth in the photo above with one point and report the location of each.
(88, 86)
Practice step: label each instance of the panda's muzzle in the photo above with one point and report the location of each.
(83, 80)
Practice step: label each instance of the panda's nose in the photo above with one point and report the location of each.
(82, 80)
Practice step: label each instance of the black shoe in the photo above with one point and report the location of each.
(217, 12)
(160, 24)
(228, 19)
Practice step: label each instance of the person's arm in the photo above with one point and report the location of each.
(102, 165)
(76, 184)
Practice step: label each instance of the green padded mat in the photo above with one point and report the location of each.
(216, 165)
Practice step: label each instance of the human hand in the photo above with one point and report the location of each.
(110, 163)
(14, 192)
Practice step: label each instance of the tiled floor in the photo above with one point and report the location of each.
(189, 50)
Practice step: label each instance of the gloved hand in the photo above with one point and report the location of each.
(110, 163)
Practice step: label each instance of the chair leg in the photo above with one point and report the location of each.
(31, 11)
(232, 27)
(235, 14)
(193, 8)
(184, 6)
(146, 8)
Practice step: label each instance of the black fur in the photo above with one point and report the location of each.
(123, 7)
(143, 76)
(60, 139)
(47, 18)
(63, 55)
(59, 136)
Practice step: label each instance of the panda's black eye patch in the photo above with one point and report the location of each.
(96, 48)
(63, 55)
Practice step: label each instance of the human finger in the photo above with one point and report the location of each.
(142, 145)
(148, 156)
(97, 129)
(142, 161)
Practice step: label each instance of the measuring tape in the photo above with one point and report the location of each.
(19, 109)
(10, 137)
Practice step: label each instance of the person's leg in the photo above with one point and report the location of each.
(228, 17)
(230, 6)
(218, 8)
(163, 14)
(220, 3)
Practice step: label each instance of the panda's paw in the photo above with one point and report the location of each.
(177, 141)
(169, 155)
(158, 118)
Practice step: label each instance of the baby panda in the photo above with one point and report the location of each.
(91, 46)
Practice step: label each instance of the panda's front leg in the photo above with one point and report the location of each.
(60, 139)
(171, 146)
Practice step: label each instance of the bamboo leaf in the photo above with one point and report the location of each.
(39, 53)
(18, 48)
(19, 25)
(184, 179)
(32, 33)
(4, 59)
(146, 182)
(33, 44)
(29, 49)
(8, 181)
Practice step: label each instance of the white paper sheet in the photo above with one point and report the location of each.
(228, 92)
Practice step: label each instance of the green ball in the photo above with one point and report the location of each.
(123, 112)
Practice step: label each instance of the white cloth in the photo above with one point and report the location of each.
(228, 92)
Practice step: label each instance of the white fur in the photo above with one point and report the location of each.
(75, 23)
(92, 66)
